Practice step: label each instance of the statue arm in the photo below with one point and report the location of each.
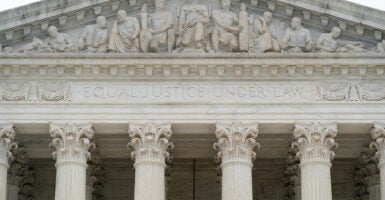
(102, 40)
(224, 25)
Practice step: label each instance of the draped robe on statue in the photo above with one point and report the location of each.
(124, 36)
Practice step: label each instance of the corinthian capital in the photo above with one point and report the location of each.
(236, 142)
(315, 141)
(71, 142)
(378, 137)
(7, 136)
(150, 142)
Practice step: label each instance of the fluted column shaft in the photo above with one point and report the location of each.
(236, 143)
(315, 143)
(150, 144)
(71, 143)
(7, 135)
(378, 135)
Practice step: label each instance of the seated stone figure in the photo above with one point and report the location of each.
(35, 46)
(161, 24)
(330, 42)
(265, 35)
(297, 39)
(58, 42)
(227, 29)
(124, 34)
(95, 37)
(193, 22)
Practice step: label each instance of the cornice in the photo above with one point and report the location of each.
(184, 66)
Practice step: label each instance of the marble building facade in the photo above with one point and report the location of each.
(189, 99)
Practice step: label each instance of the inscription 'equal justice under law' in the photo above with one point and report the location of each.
(191, 92)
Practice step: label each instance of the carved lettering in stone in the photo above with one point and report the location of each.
(124, 34)
(297, 39)
(371, 91)
(334, 91)
(186, 92)
(193, 34)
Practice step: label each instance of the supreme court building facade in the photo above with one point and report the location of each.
(189, 99)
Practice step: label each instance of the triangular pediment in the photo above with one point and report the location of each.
(358, 23)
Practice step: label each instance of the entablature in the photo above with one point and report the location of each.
(186, 66)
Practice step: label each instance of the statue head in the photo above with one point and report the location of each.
(101, 22)
(159, 4)
(52, 31)
(225, 4)
(336, 32)
(144, 8)
(121, 16)
(267, 16)
(296, 23)
(243, 7)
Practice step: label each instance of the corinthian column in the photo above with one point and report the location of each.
(236, 143)
(315, 143)
(150, 143)
(7, 135)
(71, 143)
(378, 135)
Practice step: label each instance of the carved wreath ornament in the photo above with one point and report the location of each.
(7, 135)
(315, 141)
(71, 142)
(150, 142)
(236, 142)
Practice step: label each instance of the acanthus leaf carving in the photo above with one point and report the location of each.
(71, 142)
(236, 142)
(315, 141)
(378, 136)
(150, 142)
(7, 137)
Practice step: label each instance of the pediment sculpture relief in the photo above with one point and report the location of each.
(195, 27)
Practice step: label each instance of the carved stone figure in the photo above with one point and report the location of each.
(265, 35)
(144, 34)
(193, 22)
(226, 28)
(330, 42)
(95, 37)
(35, 46)
(244, 35)
(161, 28)
(297, 39)
(59, 42)
(124, 34)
